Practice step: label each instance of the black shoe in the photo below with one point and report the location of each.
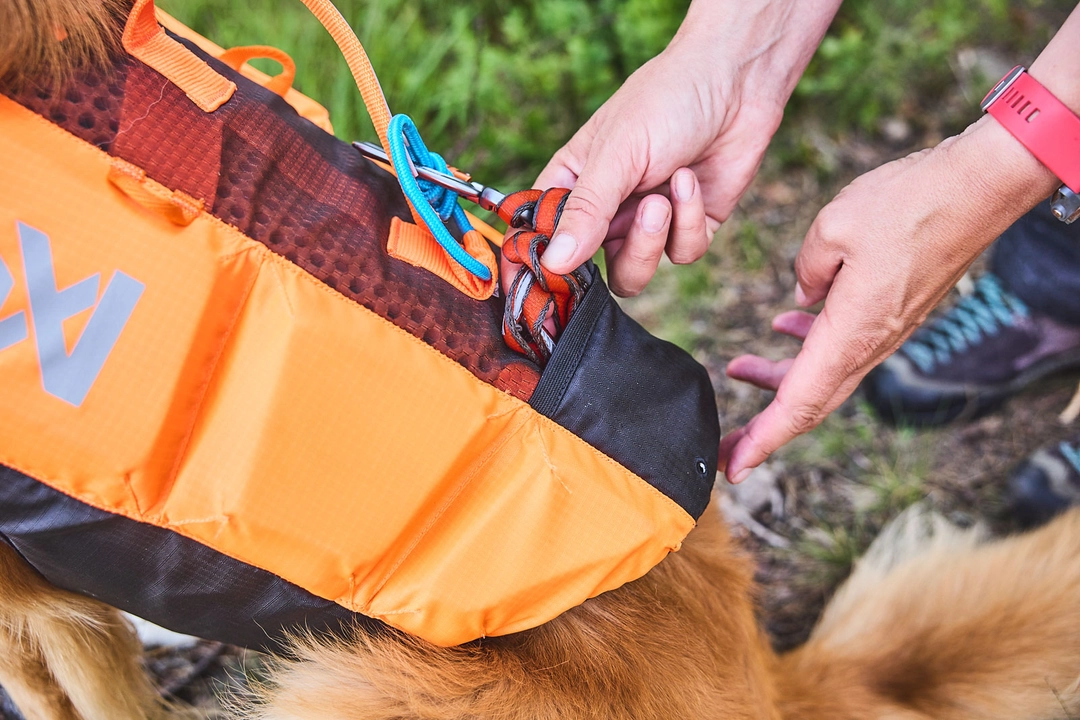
(968, 361)
(1046, 483)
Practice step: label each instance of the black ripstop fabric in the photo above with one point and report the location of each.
(636, 398)
(158, 574)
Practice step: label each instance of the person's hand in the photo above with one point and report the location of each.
(671, 119)
(661, 164)
(881, 255)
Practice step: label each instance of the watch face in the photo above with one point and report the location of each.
(1002, 86)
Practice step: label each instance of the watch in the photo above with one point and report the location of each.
(1047, 128)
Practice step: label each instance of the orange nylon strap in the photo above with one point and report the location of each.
(536, 295)
(280, 83)
(366, 81)
(176, 206)
(144, 39)
(358, 62)
(147, 41)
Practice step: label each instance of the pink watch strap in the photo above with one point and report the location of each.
(1045, 125)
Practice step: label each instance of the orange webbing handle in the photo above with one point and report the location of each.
(144, 39)
(280, 83)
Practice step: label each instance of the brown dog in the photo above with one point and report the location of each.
(931, 625)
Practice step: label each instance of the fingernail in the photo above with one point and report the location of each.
(800, 296)
(560, 250)
(743, 474)
(683, 186)
(654, 217)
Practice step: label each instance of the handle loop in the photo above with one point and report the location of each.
(280, 83)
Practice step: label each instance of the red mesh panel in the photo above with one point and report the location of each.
(287, 184)
(88, 106)
(160, 137)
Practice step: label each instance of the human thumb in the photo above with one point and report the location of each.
(606, 180)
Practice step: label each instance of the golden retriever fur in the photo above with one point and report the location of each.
(949, 629)
(50, 38)
(932, 624)
(66, 657)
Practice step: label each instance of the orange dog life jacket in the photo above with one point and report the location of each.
(227, 408)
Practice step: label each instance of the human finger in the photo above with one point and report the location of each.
(833, 359)
(689, 239)
(634, 261)
(727, 444)
(607, 178)
(815, 265)
(795, 323)
(756, 370)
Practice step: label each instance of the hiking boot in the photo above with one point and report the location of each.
(1046, 483)
(968, 361)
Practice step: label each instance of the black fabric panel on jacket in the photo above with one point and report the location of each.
(638, 399)
(155, 573)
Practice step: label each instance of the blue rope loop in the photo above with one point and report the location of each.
(435, 205)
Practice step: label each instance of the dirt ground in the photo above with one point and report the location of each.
(818, 503)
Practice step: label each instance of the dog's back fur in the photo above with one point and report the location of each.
(931, 628)
(682, 642)
(941, 628)
(31, 33)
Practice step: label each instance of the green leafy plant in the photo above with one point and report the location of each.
(880, 54)
(496, 87)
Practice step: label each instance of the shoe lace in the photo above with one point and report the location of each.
(1071, 454)
(982, 314)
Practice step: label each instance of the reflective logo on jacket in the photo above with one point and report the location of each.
(65, 374)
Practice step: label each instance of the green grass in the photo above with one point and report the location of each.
(494, 86)
(497, 86)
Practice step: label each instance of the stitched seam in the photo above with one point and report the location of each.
(450, 500)
(290, 267)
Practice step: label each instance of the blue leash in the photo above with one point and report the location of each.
(435, 205)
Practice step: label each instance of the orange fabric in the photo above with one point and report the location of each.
(416, 245)
(358, 63)
(144, 39)
(250, 407)
(177, 207)
(304, 106)
(282, 82)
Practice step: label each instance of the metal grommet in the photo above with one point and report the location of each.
(701, 466)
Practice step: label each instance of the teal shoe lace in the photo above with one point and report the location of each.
(1070, 453)
(980, 315)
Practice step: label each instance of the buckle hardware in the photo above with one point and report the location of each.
(1065, 205)
(486, 197)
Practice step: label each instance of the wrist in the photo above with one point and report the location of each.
(760, 46)
(994, 179)
(1012, 176)
(1057, 66)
